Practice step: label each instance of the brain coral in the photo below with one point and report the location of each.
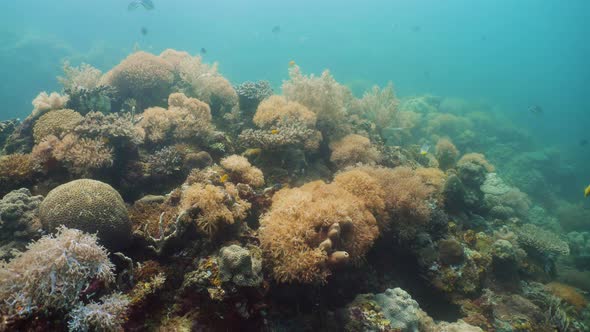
(91, 206)
(312, 229)
(143, 77)
(56, 123)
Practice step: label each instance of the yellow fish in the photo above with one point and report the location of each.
(587, 191)
(252, 152)
(291, 63)
(274, 131)
(223, 178)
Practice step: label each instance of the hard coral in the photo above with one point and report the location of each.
(542, 241)
(241, 171)
(312, 229)
(52, 273)
(56, 123)
(240, 266)
(18, 216)
(353, 149)
(117, 129)
(88, 205)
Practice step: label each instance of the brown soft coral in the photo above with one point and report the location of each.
(353, 149)
(446, 153)
(366, 188)
(56, 123)
(142, 76)
(477, 159)
(312, 229)
(567, 293)
(241, 171)
(213, 207)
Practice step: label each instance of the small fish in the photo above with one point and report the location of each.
(424, 149)
(252, 152)
(536, 109)
(144, 31)
(583, 142)
(147, 4)
(291, 63)
(587, 191)
(203, 50)
(274, 131)
(398, 128)
(276, 29)
(223, 178)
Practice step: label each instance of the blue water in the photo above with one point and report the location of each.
(510, 54)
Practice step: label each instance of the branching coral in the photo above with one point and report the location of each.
(52, 273)
(250, 94)
(446, 153)
(56, 123)
(323, 96)
(353, 149)
(241, 171)
(213, 207)
(312, 229)
(141, 76)
(117, 129)
(292, 135)
(542, 241)
(108, 315)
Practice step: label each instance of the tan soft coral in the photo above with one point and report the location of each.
(141, 76)
(323, 96)
(277, 111)
(241, 171)
(213, 207)
(45, 102)
(56, 123)
(353, 149)
(15, 169)
(312, 229)
(446, 153)
(186, 119)
(81, 156)
(477, 159)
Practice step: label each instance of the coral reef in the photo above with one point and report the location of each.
(542, 241)
(241, 171)
(108, 315)
(91, 206)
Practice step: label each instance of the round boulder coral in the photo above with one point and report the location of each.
(88, 205)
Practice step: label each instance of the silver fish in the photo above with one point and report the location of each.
(147, 4)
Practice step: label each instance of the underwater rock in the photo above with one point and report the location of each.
(91, 206)
(7, 127)
(240, 266)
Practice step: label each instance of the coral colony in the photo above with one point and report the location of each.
(160, 197)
